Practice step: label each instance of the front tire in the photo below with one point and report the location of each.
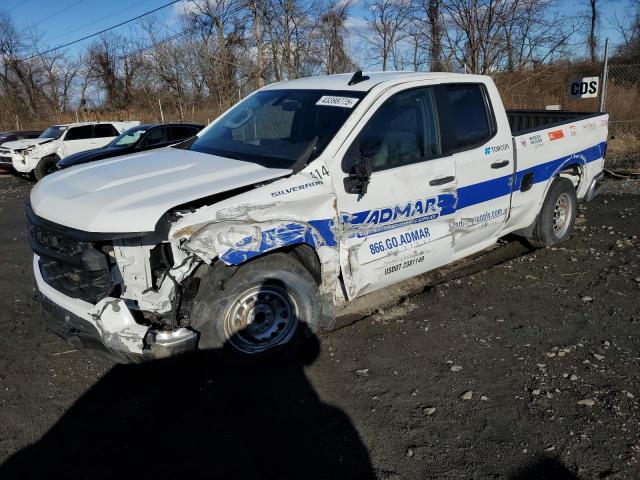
(557, 216)
(46, 166)
(268, 304)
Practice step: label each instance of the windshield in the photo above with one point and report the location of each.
(53, 132)
(275, 127)
(128, 137)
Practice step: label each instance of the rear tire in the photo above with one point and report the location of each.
(557, 216)
(269, 304)
(46, 166)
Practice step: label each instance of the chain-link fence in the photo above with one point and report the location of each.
(622, 101)
(546, 87)
(550, 87)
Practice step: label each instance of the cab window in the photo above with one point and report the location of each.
(465, 115)
(80, 133)
(157, 136)
(404, 130)
(178, 133)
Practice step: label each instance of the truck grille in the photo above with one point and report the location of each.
(77, 268)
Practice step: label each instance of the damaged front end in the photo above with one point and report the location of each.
(117, 294)
(132, 294)
(253, 224)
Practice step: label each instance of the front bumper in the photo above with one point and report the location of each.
(14, 160)
(6, 160)
(107, 328)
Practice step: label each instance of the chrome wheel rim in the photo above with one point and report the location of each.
(261, 318)
(562, 215)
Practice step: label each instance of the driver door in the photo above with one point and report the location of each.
(402, 225)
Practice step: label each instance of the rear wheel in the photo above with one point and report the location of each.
(46, 166)
(268, 304)
(555, 221)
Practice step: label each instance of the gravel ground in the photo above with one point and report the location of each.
(519, 365)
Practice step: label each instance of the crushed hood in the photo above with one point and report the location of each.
(131, 193)
(25, 143)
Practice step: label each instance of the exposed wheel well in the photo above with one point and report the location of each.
(572, 172)
(301, 252)
(309, 259)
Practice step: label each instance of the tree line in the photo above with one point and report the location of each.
(223, 50)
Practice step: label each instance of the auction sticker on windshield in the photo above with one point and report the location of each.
(331, 101)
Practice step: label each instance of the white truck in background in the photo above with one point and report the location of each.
(40, 155)
(305, 194)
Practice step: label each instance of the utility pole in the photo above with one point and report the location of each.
(605, 74)
(161, 114)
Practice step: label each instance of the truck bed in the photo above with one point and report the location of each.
(525, 121)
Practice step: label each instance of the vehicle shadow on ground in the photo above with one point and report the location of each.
(200, 416)
(544, 468)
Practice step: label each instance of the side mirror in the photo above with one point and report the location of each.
(358, 181)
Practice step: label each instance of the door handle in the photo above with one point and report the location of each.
(442, 181)
(501, 164)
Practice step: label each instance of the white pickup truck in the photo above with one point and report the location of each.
(40, 155)
(305, 194)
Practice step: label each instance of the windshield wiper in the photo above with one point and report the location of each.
(303, 158)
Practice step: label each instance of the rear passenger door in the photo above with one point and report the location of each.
(401, 226)
(484, 163)
(78, 139)
(103, 133)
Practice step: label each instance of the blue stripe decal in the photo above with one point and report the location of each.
(481, 192)
(498, 187)
(320, 232)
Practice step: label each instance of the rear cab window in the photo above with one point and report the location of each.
(466, 116)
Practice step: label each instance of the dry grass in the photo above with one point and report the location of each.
(623, 152)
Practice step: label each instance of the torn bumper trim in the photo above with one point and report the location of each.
(80, 333)
(112, 332)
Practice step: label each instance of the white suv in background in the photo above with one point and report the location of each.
(40, 155)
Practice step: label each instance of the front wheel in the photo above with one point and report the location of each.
(46, 166)
(269, 304)
(557, 216)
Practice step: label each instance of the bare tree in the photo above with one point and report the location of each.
(425, 34)
(332, 52)
(387, 22)
(258, 12)
(227, 49)
(593, 41)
